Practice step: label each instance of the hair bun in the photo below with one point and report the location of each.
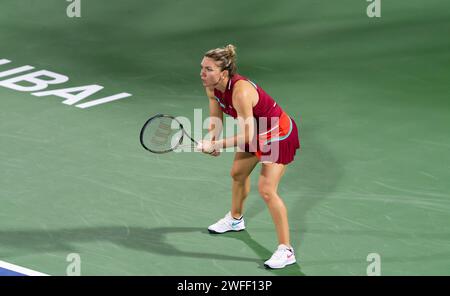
(231, 49)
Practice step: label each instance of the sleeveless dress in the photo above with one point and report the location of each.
(276, 139)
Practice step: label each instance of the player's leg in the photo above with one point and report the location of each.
(269, 179)
(243, 165)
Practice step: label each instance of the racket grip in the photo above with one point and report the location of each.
(199, 147)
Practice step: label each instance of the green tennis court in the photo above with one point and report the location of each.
(373, 95)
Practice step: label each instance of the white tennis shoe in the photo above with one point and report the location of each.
(226, 224)
(281, 257)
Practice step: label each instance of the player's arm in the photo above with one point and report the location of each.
(215, 116)
(244, 95)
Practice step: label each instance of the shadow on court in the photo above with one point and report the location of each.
(151, 240)
(154, 241)
(315, 176)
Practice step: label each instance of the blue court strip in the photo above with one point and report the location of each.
(8, 269)
(7, 272)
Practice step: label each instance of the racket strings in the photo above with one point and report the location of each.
(162, 134)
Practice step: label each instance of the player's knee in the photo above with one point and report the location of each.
(238, 176)
(266, 191)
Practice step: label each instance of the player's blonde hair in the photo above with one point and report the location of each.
(226, 56)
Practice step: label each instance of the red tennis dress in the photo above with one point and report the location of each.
(277, 136)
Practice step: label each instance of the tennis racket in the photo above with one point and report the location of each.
(164, 133)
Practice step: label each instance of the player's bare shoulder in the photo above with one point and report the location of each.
(244, 90)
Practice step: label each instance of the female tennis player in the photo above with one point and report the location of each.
(269, 137)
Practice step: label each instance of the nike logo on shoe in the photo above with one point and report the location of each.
(291, 253)
(234, 224)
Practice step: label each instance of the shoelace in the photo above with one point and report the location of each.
(223, 221)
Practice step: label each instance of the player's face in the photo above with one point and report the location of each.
(210, 72)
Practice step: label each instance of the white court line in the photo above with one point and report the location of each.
(20, 269)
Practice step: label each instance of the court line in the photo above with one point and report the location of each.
(20, 269)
